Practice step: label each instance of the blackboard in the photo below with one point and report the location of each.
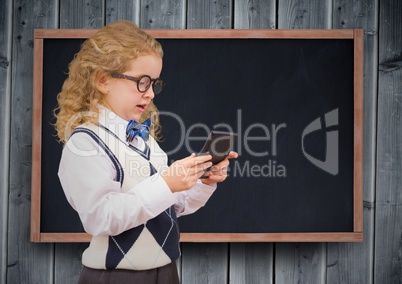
(293, 97)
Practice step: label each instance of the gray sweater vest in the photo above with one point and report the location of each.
(150, 245)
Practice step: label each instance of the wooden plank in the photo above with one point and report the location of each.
(209, 14)
(68, 263)
(123, 10)
(222, 237)
(251, 263)
(254, 14)
(358, 132)
(300, 263)
(64, 33)
(388, 219)
(27, 262)
(5, 115)
(194, 267)
(203, 33)
(204, 263)
(272, 237)
(65, 238)
(163, 14)
(353, 263)
(76, 14)
(364, 14)
(295, 14)
(81, 15)
(200, 263)
(36, 140)
(254, 33)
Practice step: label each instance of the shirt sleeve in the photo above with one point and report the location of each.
(88, 179)
(189, 201)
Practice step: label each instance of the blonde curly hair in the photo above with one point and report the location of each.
(110, 50)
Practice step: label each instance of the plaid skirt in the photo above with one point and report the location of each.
(166, 274)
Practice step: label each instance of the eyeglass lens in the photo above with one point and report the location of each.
(157, 86)
(145, 82)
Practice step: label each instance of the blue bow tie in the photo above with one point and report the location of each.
(134, 129)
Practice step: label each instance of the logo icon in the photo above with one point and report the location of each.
(330, 164)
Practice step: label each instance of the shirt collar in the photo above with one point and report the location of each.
(113, 122)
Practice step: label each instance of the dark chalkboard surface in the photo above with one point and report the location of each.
(294, 104)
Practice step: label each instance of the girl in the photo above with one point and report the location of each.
(112, 170)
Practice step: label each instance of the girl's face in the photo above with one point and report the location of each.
(123, 97)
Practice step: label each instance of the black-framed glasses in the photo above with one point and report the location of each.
(144, 82)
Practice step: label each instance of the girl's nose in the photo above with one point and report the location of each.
(149, 93)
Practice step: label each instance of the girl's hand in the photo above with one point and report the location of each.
(183, 174)
(219, 172)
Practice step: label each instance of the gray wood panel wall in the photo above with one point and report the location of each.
(377, 260)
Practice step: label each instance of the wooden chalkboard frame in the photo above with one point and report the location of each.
(356, 35)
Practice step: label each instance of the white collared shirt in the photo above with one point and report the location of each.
(89, 185)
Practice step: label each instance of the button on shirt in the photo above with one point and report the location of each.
(89, 184)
